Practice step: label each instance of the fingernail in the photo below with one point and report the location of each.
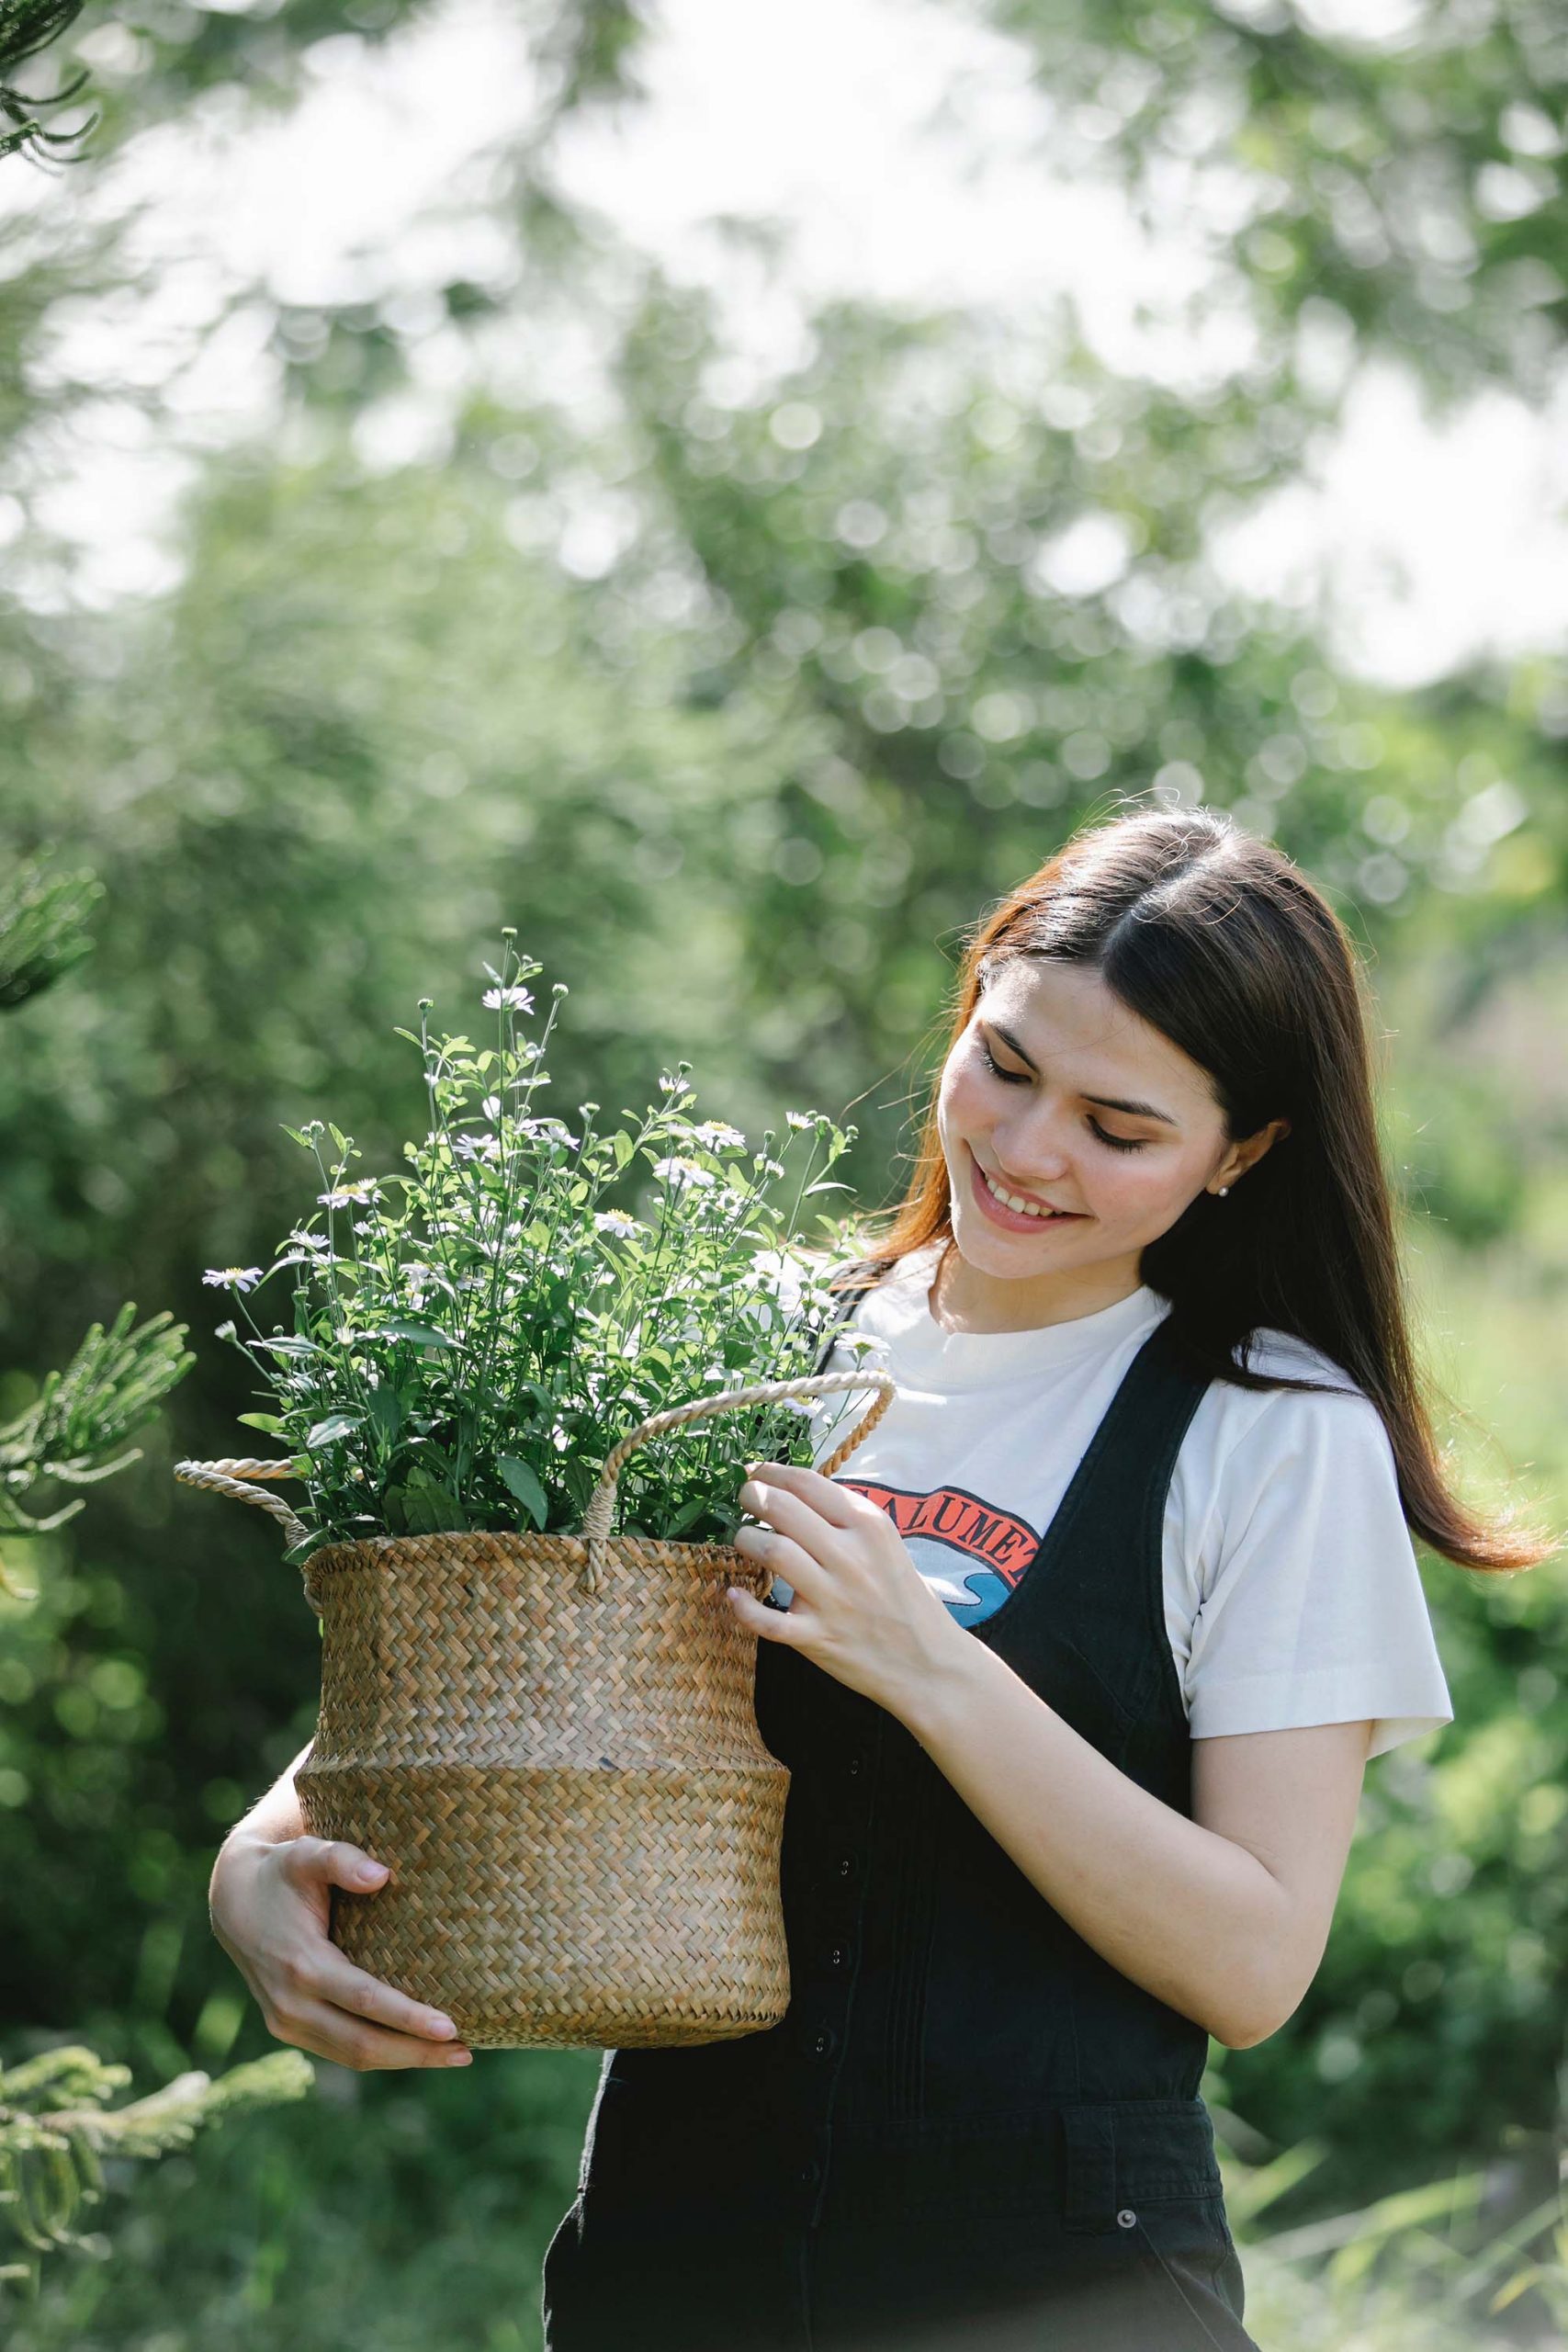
(459, 2058)
(368, 1870)
(442, 2025)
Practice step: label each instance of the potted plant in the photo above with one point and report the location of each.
(545, 1727)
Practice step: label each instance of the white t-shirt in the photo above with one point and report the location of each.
(1292, 1594)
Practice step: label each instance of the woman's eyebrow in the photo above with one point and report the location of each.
(1106, 1102)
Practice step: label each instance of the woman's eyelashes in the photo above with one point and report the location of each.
(1021, 1078)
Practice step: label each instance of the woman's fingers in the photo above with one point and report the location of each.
(305, 1968)
(271, 1904)
(768, 1624)
(840, 1506)
(329, 2032)
(798, 1522)
(353, 1990)
(332, 1861)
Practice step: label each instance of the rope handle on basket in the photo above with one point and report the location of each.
(602, 1501)
(230, 1476)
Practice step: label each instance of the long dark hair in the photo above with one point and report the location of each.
(1214, 938)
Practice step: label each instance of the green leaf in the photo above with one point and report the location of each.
(267, 1421)
(291, 1347)
(386, 1412)
(295, 1136)
(336, 1425)
(526, 1485)
(399, 1326)
(432, 1509)
(623, 1148)
(337, 1136)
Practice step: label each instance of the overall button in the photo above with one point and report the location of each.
(838, 1957)
(822, 2042)
(811, 2173)
(855, 1767)
(846, 1865)
(1126, 2218)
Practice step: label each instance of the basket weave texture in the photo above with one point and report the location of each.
(550, 1741)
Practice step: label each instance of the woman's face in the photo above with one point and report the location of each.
(1035, 1095)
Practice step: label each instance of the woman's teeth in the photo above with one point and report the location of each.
(1011, 1200)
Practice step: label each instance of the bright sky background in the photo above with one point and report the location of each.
(896, 142)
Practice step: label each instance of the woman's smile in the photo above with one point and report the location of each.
(1013, 1220)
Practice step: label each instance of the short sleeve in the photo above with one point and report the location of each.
(1313, 1609)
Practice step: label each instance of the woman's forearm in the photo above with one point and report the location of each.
(275, 1815)
(1191, 1916)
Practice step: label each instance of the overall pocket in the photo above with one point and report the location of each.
(1143, 2174)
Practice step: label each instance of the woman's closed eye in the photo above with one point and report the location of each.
(1021, 1078)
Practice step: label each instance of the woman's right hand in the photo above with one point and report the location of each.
(270, 1904)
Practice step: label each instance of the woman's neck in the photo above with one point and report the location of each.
(963, 1297)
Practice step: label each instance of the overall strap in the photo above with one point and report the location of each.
(1097, 1580)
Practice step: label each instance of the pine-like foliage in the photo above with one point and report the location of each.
(56, 2125)
(56, 2128)
(72, 1427)
(42, 916)
(26, 27)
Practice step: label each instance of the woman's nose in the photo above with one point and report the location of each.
(1032, 1150)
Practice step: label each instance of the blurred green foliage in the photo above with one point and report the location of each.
(741, 699)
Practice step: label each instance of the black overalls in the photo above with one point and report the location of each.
(970, 2130)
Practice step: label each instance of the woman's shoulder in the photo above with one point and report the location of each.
(1274, 1352)
(1334, 1409)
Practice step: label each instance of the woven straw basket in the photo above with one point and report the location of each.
(551, 1742)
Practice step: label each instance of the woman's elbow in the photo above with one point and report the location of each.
(1245, 2028)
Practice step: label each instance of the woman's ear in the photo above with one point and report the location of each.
(1253, 1150)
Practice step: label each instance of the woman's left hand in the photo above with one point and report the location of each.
(861, 1610)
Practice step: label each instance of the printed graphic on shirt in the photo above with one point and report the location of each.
(947, 1520)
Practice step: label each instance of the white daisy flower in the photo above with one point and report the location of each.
(682, 1172)
(777, 1276)
(233, 1277)
(714, 1132)
(611, 1221)
(351, 1195)
(514, 1000)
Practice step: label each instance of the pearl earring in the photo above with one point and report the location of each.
(1223, 1190)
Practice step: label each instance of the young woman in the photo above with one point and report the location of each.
(1076, 1669)
(1077, 1665)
